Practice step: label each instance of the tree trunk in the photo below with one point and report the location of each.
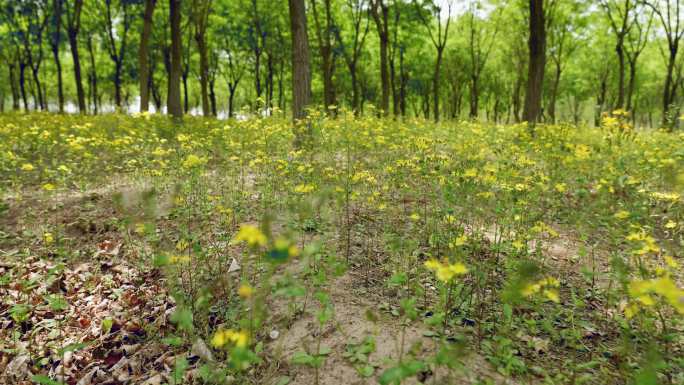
(80, 93)
(231, 99)
(13, 85)
(143, 56)
(118, 67)
(212, 96)
(435, 83)
(173, 101)
(381, 21)
(537, 61)
(355, 89)
(619, 49)
(670, 87)
(554, 93)
(93, 77)
(631, 84)
(301, 75)
(22, 85)
(56, 35)
(474, 97)
(204, 73)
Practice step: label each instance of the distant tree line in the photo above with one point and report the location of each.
(495, 60)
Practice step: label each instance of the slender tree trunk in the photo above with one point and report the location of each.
(212, 96)
(670, 87)
(402, 83)
(537, 61)
(231, 99)
(204, 74)
(173, 102)
(355, 89)
(301, 75)
(435, 84)
(474, 96)
(13, 85)
(80, 93)
(22, 85)
(56, 35)
(143, 55)
(93, 78)
(554, 93)
(631, 84)
(118, 67)
(381, 16)
(619, 49)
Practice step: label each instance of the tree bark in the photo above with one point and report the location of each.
(92, 78)
(56, 35)
(325, 49)
(201, 14)
(143, 55)
(13, 85)
(537, 60)
(380, 14)
(174, 103)
(301, 74)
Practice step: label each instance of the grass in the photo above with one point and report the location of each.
(379, 252)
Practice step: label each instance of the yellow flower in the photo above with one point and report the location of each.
(546, 286)
(223, 337)
(459, 241)
(181, 245)
(415, 217)
(304, 188)
(48, 187)
(250, 234)
(445, 272)
(671, 225)
(560, 187)
(48, 238)
(245, 291)
(27, 167)
(192, 161)
(175, 259)
(622, 214)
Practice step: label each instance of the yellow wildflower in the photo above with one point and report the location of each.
(250, 234)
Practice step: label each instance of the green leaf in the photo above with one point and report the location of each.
(107, 324)
(160, 260)
(365, 370)
(72, 348)
(182, 317)
(173, 341)
(45, 380)
(302, 358)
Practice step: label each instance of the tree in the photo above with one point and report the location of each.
(564, 34)
(56, 25)
(636, 43)
(479, 47)
(325, 37)
(619, 14)
(143, 55)
(200, 14)
(173, 102)
(73, 14)
(670, 16)
(537, 60)
(379, 10)
(352, 52)
(301, 75)
(117, 52)
(439, 40)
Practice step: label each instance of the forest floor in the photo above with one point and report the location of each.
(137, 251)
